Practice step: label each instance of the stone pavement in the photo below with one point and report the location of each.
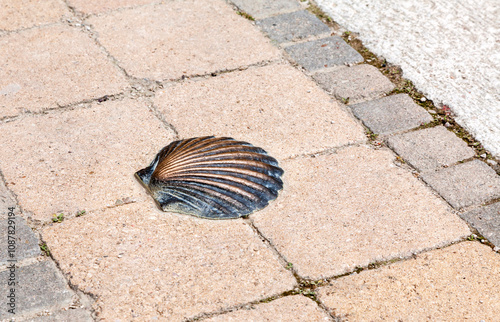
(385, 214)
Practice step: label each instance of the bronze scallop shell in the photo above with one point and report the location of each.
(209, 177)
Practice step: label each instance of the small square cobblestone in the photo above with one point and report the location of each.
(487, 221)
(391, 114)
(430, 148)
(465, 184)
(293, 26)
(260, 9)
(322, 53)
(355, 84)
(39, 287)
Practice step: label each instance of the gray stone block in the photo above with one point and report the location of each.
(358, 83)
(431, 148)
(26, 242)
(391, 114)
(465, 184)
(293, 26)
(322, 53)
(260, 9)
(487, 221)
(38, 287)
(78, 315)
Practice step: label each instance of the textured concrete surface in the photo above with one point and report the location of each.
(447, 48)
(339, 211)
(431, 148)
(53, 66)
(344, 204)
(80, 159)
(293, 26)
(260, 9)
(487, 221)
(254, 106)
(149, 264)
(18, 14)
(78, 315)
(456, 283)
(466, 184)
(99, 6)
(290, 308)
(327, 52)
(39, 286)
(354, 84)
(391, 114)
(203, 42)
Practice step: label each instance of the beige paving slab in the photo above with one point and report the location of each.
(275, 107)
(181, 38)
(80, 159)
(98, 6)
(17, 14)
(289, 308)
(145, 264)
(51, 66)
(458, 283)
(351, 209)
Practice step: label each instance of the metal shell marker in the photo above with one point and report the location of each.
(215, 178)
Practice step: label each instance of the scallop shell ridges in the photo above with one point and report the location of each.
(215, 178)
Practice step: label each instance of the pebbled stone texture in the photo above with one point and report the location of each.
(254, 106)
(327, 52)
(260, 9)
(80, 159)
(338, 212)
(17, 14)
(487, 221)
(431, 148)
(391, 114)
(357, 83)
(293, 26)
(181, 38)
(466, 184)
(77, 315)
(53, 66)
(457, 283)
(39, 287)
(99, 6)
(145, 264)
(290, 308)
